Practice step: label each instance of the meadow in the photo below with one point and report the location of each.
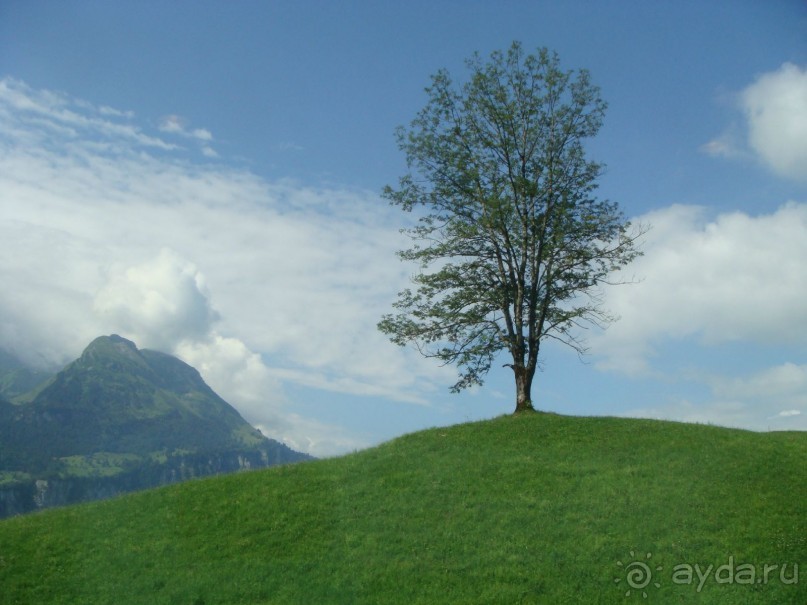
(533, 508)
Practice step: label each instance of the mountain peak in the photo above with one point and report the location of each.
(119, 340)
(124, 394)
(113, 352)
(112, 344)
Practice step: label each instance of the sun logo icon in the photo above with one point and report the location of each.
(638, 574)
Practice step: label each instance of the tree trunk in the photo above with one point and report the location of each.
(523, 389)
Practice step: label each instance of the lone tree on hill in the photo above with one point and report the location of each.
(511, 241)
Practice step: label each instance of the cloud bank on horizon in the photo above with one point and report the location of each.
(263, 285)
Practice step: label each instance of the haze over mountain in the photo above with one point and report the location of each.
(16, 377)
(117, 419)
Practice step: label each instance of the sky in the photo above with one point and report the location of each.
(205, 179)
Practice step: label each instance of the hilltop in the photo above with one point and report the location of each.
(118, 419)
(536, 508)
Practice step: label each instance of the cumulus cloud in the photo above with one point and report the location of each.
(713, 282)
(735, 278)
(231, 367)
(774, 110)
(159, 303)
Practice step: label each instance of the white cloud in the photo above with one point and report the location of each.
(201, 134)
(736, 278)
(159, 303)
(176, 125)
(259, 284)
(56, 111)
(241, 375)
(728, 145)
(230, 367)
(111, 111)
(172, 124)
(732, 282)
(774, 124)
(719, 147)
(164, 305)
(775, 106)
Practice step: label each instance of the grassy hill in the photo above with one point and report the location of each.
(538, 508)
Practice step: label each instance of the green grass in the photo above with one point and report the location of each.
(538, 508)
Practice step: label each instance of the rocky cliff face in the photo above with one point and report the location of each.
(36, 494)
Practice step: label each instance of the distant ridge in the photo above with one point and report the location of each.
(117, 419)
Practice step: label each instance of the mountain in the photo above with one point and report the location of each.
(117, 419)
(535, 508)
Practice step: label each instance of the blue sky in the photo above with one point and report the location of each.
(204, 178)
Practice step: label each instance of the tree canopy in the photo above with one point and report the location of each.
(512, 244)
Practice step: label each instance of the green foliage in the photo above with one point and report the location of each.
(12, 477)
(474, 513)
(511, 241)
(99, 464)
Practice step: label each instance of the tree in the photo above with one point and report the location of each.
(512, 244)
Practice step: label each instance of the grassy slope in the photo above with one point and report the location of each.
(533, 509)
